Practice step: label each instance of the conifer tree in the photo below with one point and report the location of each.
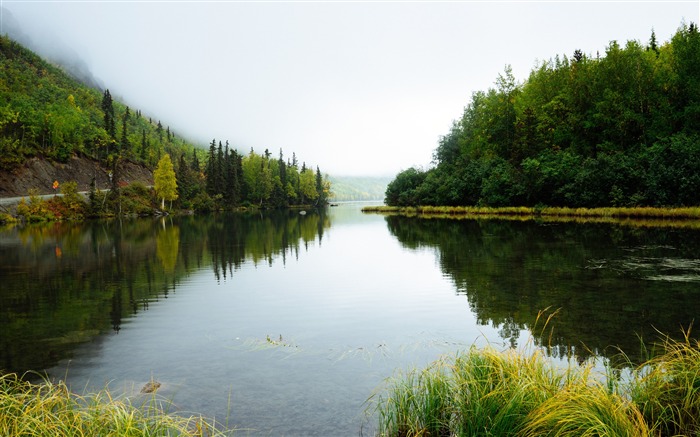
(108, 109)
(194, 165)
(124, 143)
(210, 170)
(144, 145)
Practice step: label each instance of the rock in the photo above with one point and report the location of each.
(150, 387)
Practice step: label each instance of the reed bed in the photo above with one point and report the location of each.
(493, 393)
(635, 216)
(50, 409)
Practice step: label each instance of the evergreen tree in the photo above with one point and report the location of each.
(319, 187)
(219, 180)
(194, 165)
(210, 170)
(144, 145)
(108, 110)
(124, 145)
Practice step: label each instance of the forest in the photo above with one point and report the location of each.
(621, 128)
(47, 114)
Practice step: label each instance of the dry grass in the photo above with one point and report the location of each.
(50, 409)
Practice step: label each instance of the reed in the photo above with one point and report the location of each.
(50, 409)
(586, 408)
(667, 388)
(489, 392)
(619, 212)
(635, 216)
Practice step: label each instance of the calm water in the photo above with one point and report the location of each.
(283, 324)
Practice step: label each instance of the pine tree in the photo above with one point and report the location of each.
(210, 170)
(144, 145)
(124, 143)
(108, 109)
(194, 165)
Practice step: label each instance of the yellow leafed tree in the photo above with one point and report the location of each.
(165, 181)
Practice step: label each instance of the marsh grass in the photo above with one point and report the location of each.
(50, 409)
(635, 216)
(667, 388)
(513, 393)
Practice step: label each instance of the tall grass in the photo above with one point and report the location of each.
(50, 409)
(667, 389)
(639, 216)
(493, 393)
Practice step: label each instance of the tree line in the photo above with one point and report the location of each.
(230, 179)
(45, 113)
(617, 129)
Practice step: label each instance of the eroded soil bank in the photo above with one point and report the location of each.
(40, 173)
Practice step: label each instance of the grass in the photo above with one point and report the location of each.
(492, 393)
(50, 409)
(639, 216)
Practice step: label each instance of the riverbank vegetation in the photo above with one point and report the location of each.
(620, 128)
(642, 216)
(47, 114)
(51, 409)
(487, 392)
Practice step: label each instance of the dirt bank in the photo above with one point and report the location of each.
(40, 174)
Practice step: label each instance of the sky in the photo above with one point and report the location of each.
(357, 88)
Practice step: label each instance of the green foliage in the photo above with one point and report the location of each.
(46, 113)
(621, 129)
(164, 179)
(235, 180)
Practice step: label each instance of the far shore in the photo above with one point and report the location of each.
(640, 216)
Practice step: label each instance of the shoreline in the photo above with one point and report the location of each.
(687, 217)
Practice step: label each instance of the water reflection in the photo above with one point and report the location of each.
(64, 284)
(613, 285)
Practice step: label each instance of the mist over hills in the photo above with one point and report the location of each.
(359, 188)
(52, 48)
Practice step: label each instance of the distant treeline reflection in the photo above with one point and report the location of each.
(63, 283)
(612, 285)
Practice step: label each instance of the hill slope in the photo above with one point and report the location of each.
(54, 128)
(356, 188)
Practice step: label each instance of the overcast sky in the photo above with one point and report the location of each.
(357, 88)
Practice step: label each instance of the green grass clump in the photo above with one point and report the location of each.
(667, 389)
(50, 409)
(492, 393)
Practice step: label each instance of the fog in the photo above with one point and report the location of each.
(357, 88)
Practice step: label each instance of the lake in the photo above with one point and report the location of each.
(286, 324)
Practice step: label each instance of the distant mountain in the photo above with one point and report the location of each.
(347, 188)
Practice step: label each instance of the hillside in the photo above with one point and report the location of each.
(357, 188)
(53, 128)
(620, 128)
